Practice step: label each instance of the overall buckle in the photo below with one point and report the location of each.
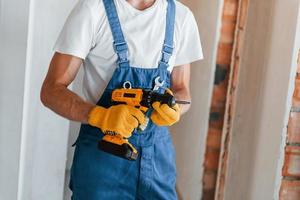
(168, 49)
(167, 53)
(120, 47)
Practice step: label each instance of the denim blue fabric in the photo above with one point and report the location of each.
(96, 175)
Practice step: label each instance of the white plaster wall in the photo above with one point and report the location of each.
(13, 44)
(190, 134)
(45, 134)
(265, 87)
(32, 139)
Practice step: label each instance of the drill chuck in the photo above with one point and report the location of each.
(150, 97)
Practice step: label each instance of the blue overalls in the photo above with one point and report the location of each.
(96, 175)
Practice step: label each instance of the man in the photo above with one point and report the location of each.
(119, 41)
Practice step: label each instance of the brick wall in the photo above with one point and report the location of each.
(290, 186)
(224, 55)
(228, 57)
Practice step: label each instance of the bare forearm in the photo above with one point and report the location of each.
(55, 93)
(183, 94)
(66, 103)
(181, 85)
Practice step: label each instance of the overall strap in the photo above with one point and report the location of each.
(168, 46)
(120, 45)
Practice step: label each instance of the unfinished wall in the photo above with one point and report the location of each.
(217, 108)
(290, 186)
(259, 120)
(237, 50)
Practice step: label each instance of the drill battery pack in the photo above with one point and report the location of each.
(118, 146)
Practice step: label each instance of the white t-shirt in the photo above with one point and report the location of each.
(87, 34)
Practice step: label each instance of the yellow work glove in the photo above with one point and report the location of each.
(163, 115)
(120, 119)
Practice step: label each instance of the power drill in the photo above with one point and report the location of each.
(114, 143)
